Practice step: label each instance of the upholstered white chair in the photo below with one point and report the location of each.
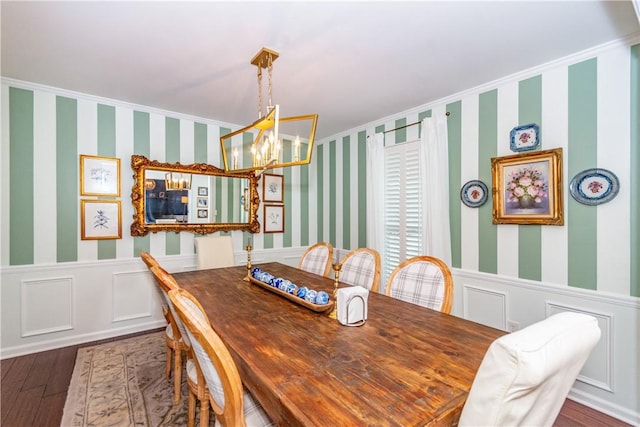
(173, 335)
(525, 376)
(232, 405)
(422, 280)
(317, 259)
(214, 251)
(361, 267)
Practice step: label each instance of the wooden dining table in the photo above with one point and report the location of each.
(406, 366)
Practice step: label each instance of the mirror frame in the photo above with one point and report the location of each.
(140, 164)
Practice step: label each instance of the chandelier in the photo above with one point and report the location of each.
(177, 181)
(271, 141)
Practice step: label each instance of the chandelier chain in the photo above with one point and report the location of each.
(259, 92)
(270, 70)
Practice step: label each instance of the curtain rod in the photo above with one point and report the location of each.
(410, 124)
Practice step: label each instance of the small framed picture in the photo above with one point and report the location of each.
(99, 176)
(527, 188)
(272, 188)
(203, 202)
(203, 191)
(203, 213)
(525, 137)
(101, 219)
(273, 218)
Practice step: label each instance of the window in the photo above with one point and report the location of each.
(403, 205)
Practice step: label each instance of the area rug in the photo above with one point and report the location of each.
(122, 383)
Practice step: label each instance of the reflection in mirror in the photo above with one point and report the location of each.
(199, 198)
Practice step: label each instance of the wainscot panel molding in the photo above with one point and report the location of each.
(597, 370)
(485, 306)
(57, 305)
(47, 306)
(609, 380)
(132, 295)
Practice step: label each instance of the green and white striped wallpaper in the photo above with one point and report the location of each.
(588, 105)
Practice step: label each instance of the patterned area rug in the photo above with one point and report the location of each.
(122, 383)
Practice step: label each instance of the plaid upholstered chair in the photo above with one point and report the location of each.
(361, 267)
(317, 259)
(232, 405)
(422, 280)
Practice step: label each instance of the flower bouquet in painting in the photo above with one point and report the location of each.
(527, 187)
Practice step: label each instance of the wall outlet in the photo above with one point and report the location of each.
(512, 326)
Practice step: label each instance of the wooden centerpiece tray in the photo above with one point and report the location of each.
(300, 301)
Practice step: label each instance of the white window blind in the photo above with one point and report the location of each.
(403, 205)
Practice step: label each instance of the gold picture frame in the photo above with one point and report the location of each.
(99, 176)
(272, 188)
(100, 219)
(273, 219)
(527, 188)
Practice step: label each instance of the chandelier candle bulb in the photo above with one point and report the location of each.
(296, 151)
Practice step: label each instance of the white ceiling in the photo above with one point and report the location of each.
(350, 62)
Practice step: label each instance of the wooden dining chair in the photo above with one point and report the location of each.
(317, 259)
(525, 377)
(195, 380)
(173, 336)
(232, 405)
(149, 260)
(361, 267)
(214, 252)
(422, 280)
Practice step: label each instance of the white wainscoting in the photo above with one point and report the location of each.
(57, 305)
(610, 380)
(132, 295)
(485, 306)
(46, 306)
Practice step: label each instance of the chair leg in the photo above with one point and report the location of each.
(168, 367)
(204, 412)
(177, 375)
(191, 413)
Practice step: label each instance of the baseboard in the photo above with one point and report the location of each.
(600, 405)
(21, 350)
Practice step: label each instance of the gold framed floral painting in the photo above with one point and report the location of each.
(527, 188)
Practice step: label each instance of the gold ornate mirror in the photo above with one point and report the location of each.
(198, 198)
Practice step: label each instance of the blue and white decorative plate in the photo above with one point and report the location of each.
(525, 137)
(594, 186)
(474, 194)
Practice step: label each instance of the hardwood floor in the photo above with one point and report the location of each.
(34, 388)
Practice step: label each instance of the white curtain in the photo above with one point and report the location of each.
(434, 168)
(375, 193)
